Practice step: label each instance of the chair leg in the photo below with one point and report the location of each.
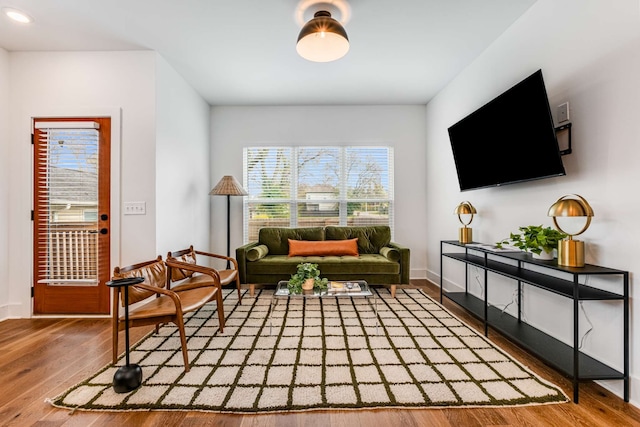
(183, 340)
(219, 303)
(239, 292)
(252, 289)
(393, 291)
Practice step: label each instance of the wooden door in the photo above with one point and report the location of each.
(71, 215)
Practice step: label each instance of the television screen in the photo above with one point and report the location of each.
(510, 139)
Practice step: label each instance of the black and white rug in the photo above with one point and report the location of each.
(320, 354)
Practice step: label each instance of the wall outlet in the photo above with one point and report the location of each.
(563, 112)
(135, 208)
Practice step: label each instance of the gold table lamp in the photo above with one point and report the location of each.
(465, 234)
(570, 251)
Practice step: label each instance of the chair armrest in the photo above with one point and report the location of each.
(169, 293)
(405, 259)
(212, 255)
(241, 256)
(173, 263)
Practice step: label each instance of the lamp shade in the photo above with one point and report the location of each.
(465, 208)
(322, 39)
(571, 205)
(228, 186)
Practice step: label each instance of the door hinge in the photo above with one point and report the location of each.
(33, 139)
(32, 292)
(32, 215)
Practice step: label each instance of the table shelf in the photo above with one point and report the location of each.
(567, 359)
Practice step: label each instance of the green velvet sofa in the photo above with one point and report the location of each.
(379, 261)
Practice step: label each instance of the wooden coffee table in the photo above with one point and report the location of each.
(362, 290)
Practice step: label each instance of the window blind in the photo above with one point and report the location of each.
(66, 201)
(317, 186)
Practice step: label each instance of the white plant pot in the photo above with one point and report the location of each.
(544, 255)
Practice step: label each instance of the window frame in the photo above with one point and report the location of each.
(293, 201)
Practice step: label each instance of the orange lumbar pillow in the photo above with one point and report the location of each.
(323, 247)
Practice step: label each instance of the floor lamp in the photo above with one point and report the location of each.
(228, 186)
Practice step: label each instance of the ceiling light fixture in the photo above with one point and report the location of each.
(323, 38)
(17, 15)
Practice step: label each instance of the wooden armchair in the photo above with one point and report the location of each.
(184, 271)
(155, 304)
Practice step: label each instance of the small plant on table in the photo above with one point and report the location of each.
(306, 271)
(534, 239)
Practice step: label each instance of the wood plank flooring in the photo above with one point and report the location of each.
(40, 358)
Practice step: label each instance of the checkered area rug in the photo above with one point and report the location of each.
(318, 354)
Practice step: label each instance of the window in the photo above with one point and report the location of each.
(317, 186)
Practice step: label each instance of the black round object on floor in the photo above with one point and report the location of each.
(127, 378)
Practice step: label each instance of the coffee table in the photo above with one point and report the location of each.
(363, 290)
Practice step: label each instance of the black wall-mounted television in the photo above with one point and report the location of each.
(508, 140)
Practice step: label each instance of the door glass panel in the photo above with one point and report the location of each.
(66, 207)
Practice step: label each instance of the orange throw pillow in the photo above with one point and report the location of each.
(323, 247)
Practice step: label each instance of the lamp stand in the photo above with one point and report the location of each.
(465, 235)
(129, 376)
(228, 230)
(571, 253)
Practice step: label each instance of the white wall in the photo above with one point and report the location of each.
(182, 163)
(4, 180)
(588, 51)
(82, 83)
(402, 127)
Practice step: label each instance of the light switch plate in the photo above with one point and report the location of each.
(563, 112)
(135, 208)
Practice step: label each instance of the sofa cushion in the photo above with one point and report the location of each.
(370, 239)
(361, 266)
(323, 248)
(392, 254)
(257, 252)
(276, 239)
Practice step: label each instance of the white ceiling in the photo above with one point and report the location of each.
(242, 52)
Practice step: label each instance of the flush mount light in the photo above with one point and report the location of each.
(322, 38)
(17, 15)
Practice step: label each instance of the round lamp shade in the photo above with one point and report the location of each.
(566, 206)
(465, 208)
(322, 39)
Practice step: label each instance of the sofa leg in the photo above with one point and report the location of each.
(393, 290)
(252, 289)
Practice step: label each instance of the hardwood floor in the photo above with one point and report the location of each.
(40, 358)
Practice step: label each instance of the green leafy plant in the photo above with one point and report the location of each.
(534, 238)
(306, 270)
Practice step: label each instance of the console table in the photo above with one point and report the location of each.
(567, 359)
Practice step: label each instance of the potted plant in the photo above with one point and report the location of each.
(307, 277)
(539, 240)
